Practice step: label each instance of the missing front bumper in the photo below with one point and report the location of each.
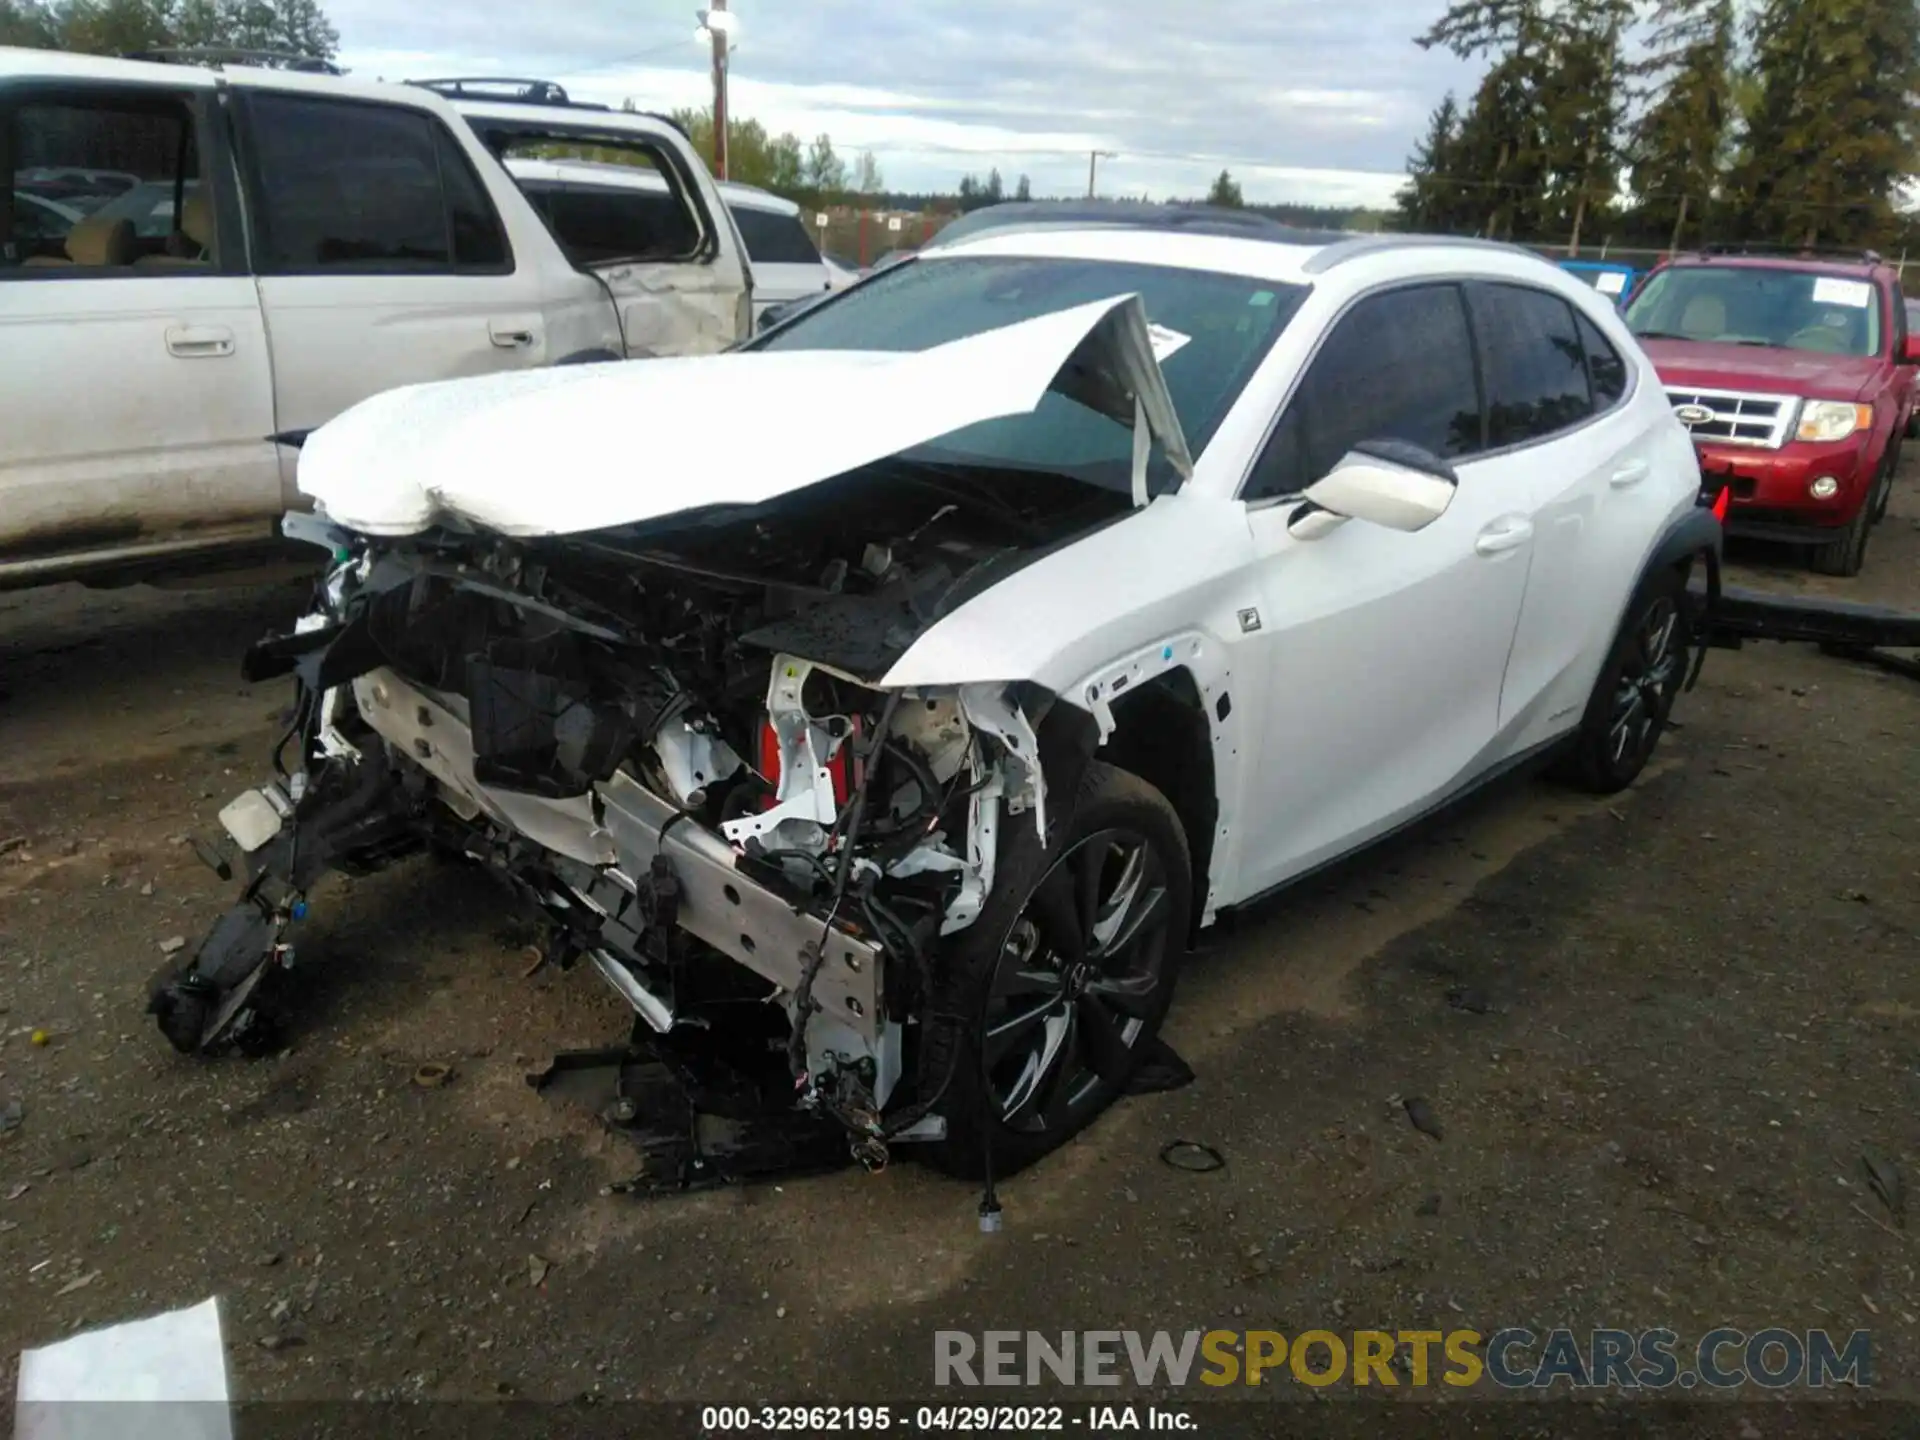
(616, 833)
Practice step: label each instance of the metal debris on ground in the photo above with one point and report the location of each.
(432, 1075)
(538, 1268)
(1886, 1182)
(1465, 997)
(79, 1282)
(11, 1114)
(1192, 1156)
(704, 1111)
(1423, 1118)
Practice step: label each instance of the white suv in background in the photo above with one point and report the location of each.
(197, 260)
(787, 265)
(579, 199)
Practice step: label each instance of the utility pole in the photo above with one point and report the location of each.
(1094, 157)
(719, 34)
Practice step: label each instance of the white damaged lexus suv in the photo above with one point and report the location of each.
(884, 706)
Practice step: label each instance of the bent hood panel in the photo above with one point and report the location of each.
(558, 452)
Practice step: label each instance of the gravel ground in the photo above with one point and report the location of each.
(1656, 1034)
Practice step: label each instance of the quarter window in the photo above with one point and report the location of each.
(1535, 366)
(774, 239)
(353, 186)
(606, 199)
(1606, 371)
(1397, 366)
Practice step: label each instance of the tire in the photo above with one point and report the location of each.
(1065, 1026)
(1634, 694)
(1883, 495)
(1847, 551)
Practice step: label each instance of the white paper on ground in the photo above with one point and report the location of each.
(1855, 294)
(162, 1378)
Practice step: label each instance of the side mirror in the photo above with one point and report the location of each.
(1385, 482)
(1910, 351)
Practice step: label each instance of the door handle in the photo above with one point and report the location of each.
(1631, 473)
(510, 337)
(1509, 532)
(199, 342)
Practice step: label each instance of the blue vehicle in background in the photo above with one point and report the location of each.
(1609, 277)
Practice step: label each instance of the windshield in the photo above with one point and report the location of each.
(1748, 305)
(1211, 331)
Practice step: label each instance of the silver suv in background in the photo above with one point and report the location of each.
(586, 202)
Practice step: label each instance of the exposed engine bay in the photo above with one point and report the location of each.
(668, 739)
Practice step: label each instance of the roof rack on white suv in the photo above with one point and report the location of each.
(504, 87)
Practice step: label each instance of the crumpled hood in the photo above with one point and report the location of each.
(579, 448)
(1765, 369)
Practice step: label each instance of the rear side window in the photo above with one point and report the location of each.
(1606, 371)
(1397, 366)
(105, 182)
(607, 198)
(346, 186)
(597, 225)
(1533, 362)
(774, 239)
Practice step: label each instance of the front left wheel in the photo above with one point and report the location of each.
(1064, 979)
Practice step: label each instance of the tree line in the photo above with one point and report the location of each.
(812, 173)
(1674, 122)
(127, 27)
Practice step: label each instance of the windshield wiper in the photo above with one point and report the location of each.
(948, 482)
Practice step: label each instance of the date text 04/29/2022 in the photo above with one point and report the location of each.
(934, 1419)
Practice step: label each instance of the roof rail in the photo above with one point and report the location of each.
(1810, 252)
(1028, 215)
(1354, 246)
(510, 88)
(216, 56)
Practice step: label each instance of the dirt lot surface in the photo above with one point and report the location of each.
(1656, 1033)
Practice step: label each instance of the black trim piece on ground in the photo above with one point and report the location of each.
(1755, 615)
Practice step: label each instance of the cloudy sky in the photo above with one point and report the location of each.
(1304, 100)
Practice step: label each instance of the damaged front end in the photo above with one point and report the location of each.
(670, 728)
(672, 743)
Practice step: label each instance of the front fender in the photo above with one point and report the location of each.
(1696, 533)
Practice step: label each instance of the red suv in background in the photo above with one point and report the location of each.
(1795, 374)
